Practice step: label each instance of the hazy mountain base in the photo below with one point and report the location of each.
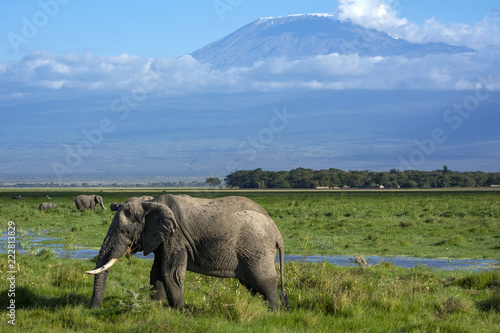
(216, 134)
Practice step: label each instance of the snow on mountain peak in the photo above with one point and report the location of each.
(329, 15)
(301, 36)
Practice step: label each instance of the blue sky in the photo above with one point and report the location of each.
(174, 28)
(105, 87)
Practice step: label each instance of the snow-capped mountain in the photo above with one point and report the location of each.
(300, 36)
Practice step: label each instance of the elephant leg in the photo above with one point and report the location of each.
(270, 292)
(156, 281)
(175, 289)
(262, 279)
(246, 285)
(173, 276)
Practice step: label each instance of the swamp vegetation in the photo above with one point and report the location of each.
(52, 293)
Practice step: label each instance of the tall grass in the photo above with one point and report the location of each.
(422, 223)
(429, 224)
(52, 294)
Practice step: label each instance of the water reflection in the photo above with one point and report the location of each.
(31, 243)
(405, 262)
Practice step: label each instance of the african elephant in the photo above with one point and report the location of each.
(226, 237)
(88, 202)
(115, 206)
(141, 199)
(47, 205)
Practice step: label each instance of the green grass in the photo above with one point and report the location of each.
(52, 294)
(423, 224)
(461, 224)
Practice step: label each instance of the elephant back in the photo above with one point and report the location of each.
(187, 208)
(238, 204)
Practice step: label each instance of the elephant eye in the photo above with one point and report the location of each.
(126, 212)
(129, 232)
(125, 232)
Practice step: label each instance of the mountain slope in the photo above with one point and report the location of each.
(300, 36)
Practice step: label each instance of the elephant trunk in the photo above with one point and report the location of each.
(101, 203)
(108, 256)
(99, 280)
(99, 286)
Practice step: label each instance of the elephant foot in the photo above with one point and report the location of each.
(158, 292)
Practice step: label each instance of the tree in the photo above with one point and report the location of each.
(213, 181)
(258, 178)
(302, 178)
(308, 178)
(445, 169)
(354, 179)
(278, 180)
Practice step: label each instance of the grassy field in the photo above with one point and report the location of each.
(462, 224)
(52, 294)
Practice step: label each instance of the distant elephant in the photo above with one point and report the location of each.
(47, 205)
(88, 202)
(226, 237)
(115, 206)
(140, 199)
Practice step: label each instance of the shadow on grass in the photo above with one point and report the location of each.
(26, 299)
(490, 304)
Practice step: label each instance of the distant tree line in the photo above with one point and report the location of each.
(117, 185)
(335, 178)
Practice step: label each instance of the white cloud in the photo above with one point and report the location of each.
(45, 73)
(383, 16)
(46, 70)
(373, 14)
(42, 72)
(334, 72)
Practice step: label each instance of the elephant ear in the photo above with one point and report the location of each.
(159, 225)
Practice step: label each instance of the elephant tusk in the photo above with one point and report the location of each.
(103, 268)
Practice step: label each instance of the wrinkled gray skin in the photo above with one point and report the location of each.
(115, 206)
(141, 199)
(88, 202)
(226, 237)
(47, 205)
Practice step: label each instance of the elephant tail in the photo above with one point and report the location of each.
(283, 296)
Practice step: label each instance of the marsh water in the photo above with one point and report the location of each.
(32, 243)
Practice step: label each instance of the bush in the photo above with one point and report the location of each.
(478, 281)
